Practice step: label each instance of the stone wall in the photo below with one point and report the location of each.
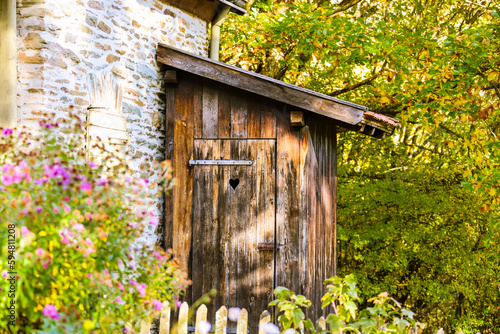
(61, 42)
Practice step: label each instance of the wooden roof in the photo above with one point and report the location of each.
(205, 9)
(350, 115)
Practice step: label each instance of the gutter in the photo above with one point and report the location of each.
(226, 7)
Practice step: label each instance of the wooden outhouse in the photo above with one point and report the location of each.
(255, 163)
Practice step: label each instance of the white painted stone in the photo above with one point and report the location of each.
(76, 46)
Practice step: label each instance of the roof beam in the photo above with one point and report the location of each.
(341, 110)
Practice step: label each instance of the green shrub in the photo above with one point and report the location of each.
(386, 314)
(73, 229)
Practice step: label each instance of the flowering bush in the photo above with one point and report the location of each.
(68, 252)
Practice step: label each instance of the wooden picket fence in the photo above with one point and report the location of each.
(220, 325)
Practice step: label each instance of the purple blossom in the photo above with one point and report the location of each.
(93, 165)
(153, 221)
(120, 286)
(79, 227)
(102, 181)
(86, 187)
(38, 209)
(50, 311)
(178, 304)
(118, 300)
(39, 251)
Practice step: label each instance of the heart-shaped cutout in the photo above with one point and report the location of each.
(234, 183)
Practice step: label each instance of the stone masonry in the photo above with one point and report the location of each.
(61, 41)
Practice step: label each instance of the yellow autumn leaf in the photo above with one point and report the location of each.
(385, 100)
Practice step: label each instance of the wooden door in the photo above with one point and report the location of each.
(234, 211)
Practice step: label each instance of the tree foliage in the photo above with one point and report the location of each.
(418, 212)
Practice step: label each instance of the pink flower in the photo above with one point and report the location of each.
(39, 251)
(38, 209)
(88, 216)
(50, 311)
(89, 242)
(120, 286)
(118, 300)
(88, 251)
(143, 183)
(64, 240)
(17, 176)
(153, 221)
(45, 265)
(5, 274)
(158, 255)
(134, 283)
(66, 198)
(67, 208)
(25, 231)
(178, 304)
(86, 187)
(89, 275)
(7, 179)
(141, 289)
(56, 210)
(79, 227)
(93, 165)
(6, 131)
(157, 304)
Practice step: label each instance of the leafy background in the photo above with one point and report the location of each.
(418, 211)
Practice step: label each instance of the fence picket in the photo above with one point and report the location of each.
(242, 324)
(183, 319)
(145, 326)
(165, 319)
(221, 320)
(265, 317)
(201, 316)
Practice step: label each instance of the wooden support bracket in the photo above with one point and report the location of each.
(171, 77)
(297, 118)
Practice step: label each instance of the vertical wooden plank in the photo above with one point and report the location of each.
(224, 111)
(201, 316)
(198, 108)
(182, 326)
(251, 234)
(165, 319)
(182, 193)
(254, 107)
(239, 107)
(169, 147)
(201, 183)
(241, 327)
(239, 220)
(226, 237)
(287, 207)
(210, 109)
(265, 185)
(267, 122)
(221, 320)
(303, 222)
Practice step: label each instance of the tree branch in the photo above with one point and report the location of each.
(367, 81)
(345, 5)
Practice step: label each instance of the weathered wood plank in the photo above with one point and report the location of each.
(106, 134)
(239, 106)
(198, 108)
(221, 321)
(205, 9)
(297, 118)
(107, 120)
(241, 326)
(224, 111)
(224, 215)
(303, 224)
(287, 213)
(296, 96)
(239, 218)
(165, 319)
(254, 108)
(250, 265)
(183, 148)
(182, 325)
(267, 122)
(201, 316)
(169, 148)
(265, 317)
(210, 109)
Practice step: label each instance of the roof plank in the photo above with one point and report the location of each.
(328, 106)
